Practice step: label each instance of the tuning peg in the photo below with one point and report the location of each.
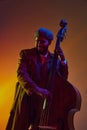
(63, 23)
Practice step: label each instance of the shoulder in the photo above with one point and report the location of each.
(27, 52)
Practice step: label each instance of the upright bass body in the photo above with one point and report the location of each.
(66, 100)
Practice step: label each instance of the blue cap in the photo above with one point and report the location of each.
(43, 32)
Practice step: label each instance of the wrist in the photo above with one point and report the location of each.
(64, 62)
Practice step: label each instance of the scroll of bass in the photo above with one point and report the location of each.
(58, 113)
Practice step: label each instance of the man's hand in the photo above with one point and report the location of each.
(44, 93)
(60, 53)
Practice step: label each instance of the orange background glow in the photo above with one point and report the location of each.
(18, 21)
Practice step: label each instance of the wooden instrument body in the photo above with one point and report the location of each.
(66, 100)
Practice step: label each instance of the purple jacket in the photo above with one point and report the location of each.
(31, 72)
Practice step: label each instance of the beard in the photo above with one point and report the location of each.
(42, 50)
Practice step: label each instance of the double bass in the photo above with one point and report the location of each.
(58, 112)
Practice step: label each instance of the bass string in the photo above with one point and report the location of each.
(45, 115)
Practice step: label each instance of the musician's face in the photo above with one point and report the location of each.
(42, 45)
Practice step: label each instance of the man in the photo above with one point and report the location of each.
(33, 74)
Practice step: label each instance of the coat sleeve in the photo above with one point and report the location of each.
(23, 76)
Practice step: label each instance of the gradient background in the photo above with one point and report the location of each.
(18, 21)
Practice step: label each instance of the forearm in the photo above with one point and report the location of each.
(26, 82)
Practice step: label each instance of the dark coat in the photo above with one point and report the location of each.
(31, 72)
